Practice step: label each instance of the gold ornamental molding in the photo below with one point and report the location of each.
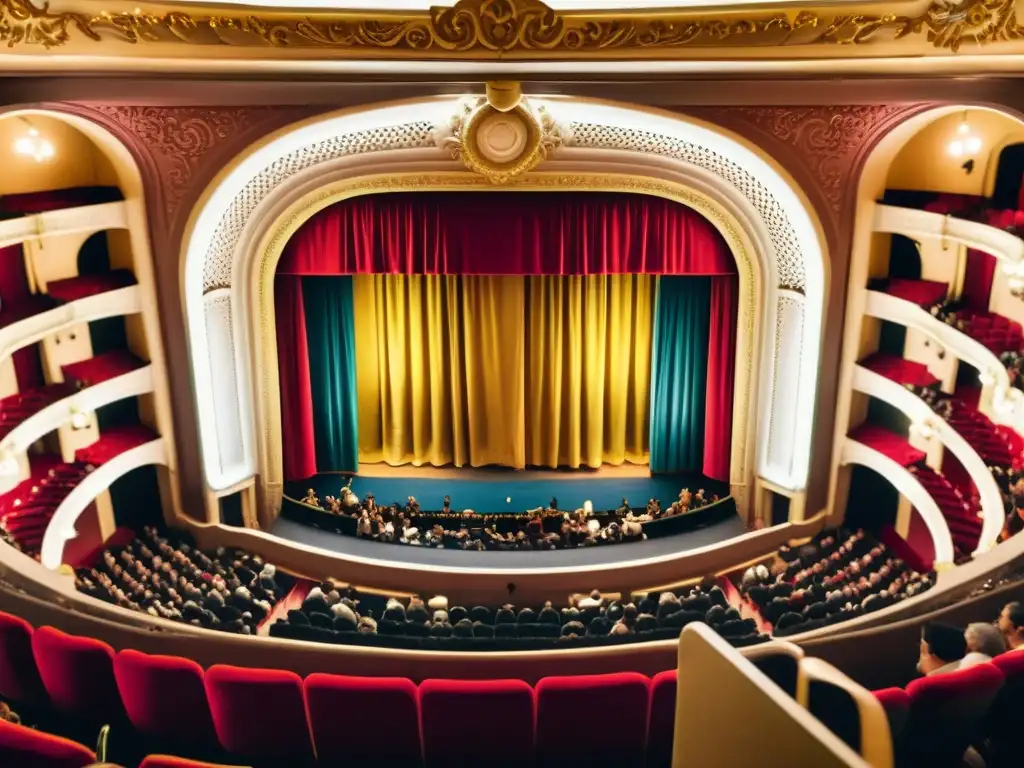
(508, 29)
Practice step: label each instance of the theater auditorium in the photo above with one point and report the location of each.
(517, 383)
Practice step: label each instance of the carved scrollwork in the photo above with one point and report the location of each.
(516, 29)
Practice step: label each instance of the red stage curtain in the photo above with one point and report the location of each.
(296, 392)
(981, 268)
(721, 372)
(507, 233)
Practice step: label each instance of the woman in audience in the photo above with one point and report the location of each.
(984, 643)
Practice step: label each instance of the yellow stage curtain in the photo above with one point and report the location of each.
(588, 369)
(439, 369)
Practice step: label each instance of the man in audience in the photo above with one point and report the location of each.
(942, 649)
(984, 643)
(1011, 624)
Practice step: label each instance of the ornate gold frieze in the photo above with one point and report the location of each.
(523, 29)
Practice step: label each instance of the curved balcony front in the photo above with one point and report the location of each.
(921, 225)
(856, 452)
(61, 527)
(993, 512)
(83, 219)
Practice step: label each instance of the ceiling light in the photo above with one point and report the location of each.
(33, 144)
(966, 142)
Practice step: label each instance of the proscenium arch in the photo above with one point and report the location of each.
(326, 189)
(219, 251)
(870, 186)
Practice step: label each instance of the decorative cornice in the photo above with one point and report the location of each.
(180, 138)
(493, 29)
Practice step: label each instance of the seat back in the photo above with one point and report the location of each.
(342, 707)
(1003, 718)
(260, 715)
(896, 704)
(166, 700)
(78, 673)
(946, 713)
(502, 716)
(846, 709)
(566, 708)
(166, 761)
(780, 661)
(661, 728)
(19, 676)
(22, 747)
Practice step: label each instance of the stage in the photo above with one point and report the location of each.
(493, 491)
(504, 491)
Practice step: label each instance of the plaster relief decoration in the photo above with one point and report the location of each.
(501, 137)
(501, 29)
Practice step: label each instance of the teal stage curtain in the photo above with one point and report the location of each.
(330, 335)
(679, 369)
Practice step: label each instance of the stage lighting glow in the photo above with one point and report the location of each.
(34, 145)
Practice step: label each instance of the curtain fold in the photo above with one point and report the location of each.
(293, 365)
(979, 272)
(720, 377)
(439, 369)
(679, 374)
(330, 336)
(588, 353)
(527, 233)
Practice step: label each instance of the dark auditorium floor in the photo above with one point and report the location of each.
(404, 554)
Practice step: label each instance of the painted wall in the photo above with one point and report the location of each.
(925, 163)
(76, 162)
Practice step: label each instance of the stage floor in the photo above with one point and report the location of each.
(501, 490)
(401, 554)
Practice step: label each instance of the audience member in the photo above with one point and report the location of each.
(1011, 624)
(942, 649)
(984, 642)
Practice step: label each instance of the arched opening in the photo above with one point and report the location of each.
(227, 280)
(1009, 178)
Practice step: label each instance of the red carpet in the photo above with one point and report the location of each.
(26, 510)
(95, 370)
(899, 370)
(115, 441)
(921, 292)
(18, 407)
(888, 443)
(74, 288)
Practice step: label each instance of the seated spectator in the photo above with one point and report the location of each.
(1011, 624)
(942, 649)
(984, 643)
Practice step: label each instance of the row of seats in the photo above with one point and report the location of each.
(275, 718)
(961, 514)
(26, 510)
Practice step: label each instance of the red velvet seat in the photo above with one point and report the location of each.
(166, 761)
(566, 709)
(22, 747)
(78, 673)
(260, 715)
(946, 713)
(1003, 717)
(19, 677)
(661, 729)
(484, 722)
(364, 705)
(896, 704)
(166, 700)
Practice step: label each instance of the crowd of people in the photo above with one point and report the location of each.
(166, 575)
(329, 614)
(834, 577)
(945, 648)
(536, 529)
